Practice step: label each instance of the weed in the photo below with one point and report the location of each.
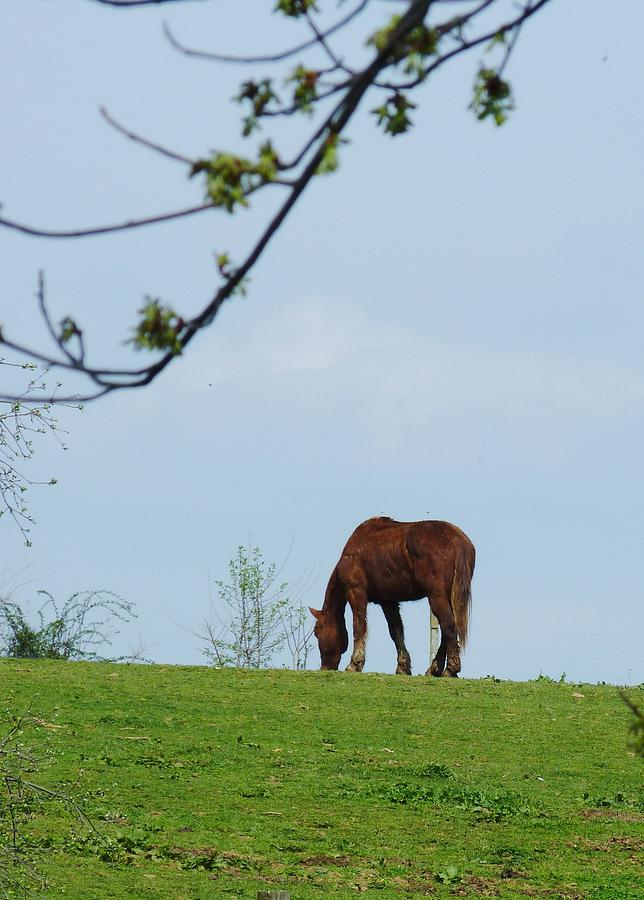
(618, 800)
(488, 805)
(434, 770)
(449, 875)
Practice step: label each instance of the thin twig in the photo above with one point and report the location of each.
(50, 327)
(126, 3)
(151, 145)
(270, 57)
(105, 229)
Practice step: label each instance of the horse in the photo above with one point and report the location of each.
(388, 563)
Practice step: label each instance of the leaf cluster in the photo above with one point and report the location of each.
(393, 115)
(492, 96)
(159, 328)
(413, 48)
(260, 95)
(231, 179)
(295, 8)
(305, 92)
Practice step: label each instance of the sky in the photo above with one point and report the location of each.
(451, 327)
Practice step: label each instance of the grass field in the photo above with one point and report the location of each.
(209, 783)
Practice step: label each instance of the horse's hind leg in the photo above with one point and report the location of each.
(397, 632)
(448, 650)
(357, 599)
(437, 664)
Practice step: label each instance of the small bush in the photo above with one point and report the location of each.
(73, 631)
(20, 799)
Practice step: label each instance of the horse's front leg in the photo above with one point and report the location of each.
(358, 601)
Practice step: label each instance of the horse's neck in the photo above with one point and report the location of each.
(335, 598)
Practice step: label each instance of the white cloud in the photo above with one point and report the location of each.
(311, 336)
(390, 390)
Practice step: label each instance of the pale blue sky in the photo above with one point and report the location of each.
(450, 327)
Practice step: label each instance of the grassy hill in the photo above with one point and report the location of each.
(218, 783)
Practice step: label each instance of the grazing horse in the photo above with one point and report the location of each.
(388, 562)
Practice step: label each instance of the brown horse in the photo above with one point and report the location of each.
(388, 562)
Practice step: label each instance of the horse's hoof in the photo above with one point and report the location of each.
(434, 671)
(449, 674)
(352, 667)
(403, 671)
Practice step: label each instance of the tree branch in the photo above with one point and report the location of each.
(393, 44)
(268, 58)
(126, 3)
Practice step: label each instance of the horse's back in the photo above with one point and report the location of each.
(383, 531)
(434, 535)
(384, 556)
(375, 559)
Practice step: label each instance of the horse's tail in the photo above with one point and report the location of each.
(461, 596)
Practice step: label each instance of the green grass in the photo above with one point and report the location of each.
(212, 783)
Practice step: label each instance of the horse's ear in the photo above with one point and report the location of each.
(315, 612)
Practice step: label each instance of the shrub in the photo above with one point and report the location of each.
(72, 631)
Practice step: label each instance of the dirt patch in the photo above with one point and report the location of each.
(512, 873)
(562, 893)
(199, 851)
(479, 887)
(424, 888)
(627, 844)
(612, 814)
(473, 886)
(321, 859)
(623, 849)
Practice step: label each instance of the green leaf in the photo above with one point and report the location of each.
(228, 271)
(330, 161)
(68, 329)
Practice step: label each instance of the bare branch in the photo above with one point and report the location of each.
(126, 3)
(105, 229)
(271, 57)
(144, 141)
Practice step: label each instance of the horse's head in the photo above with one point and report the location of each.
(332, 637)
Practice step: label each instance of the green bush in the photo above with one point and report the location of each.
(72, 631)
